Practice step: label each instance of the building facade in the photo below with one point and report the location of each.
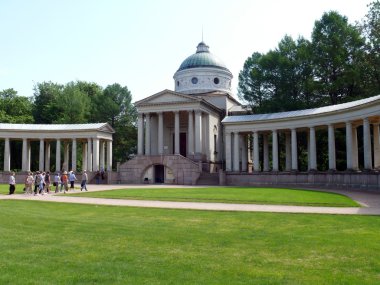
(199, 132)
(94, 140)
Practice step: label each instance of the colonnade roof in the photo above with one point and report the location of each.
(302, 113)
(103, 127)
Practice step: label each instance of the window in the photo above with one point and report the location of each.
(194, 80)
(216, 80)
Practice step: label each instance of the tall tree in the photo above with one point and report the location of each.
(115, 106)
(337, 49)
(370, 28)
(46, 109)
(74, 105)
(14, 108)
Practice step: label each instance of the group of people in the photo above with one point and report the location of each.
(39, 183)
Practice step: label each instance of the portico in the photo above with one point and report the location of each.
(90, 136)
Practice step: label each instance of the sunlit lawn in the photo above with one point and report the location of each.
(230, 195)
(54, 243)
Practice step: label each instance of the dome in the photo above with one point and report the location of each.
(202, 58)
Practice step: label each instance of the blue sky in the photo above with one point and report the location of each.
(140, 44)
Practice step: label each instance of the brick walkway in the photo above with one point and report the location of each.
(369, 200)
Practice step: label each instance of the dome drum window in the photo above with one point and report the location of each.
(216, 80)
(194, 80)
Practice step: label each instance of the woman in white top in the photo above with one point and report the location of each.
(12, 183)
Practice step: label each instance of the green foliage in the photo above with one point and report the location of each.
(87, 102)
(74, 105)
(46, 109)
(337, 50)
(339, 64)
(15, 109)
(371, 64)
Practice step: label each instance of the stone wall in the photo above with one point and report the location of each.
(185, 171)
(346, 180)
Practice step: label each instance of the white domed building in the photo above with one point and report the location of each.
(200, 134)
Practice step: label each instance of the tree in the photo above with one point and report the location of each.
(371, 65)
(114, 105)
(46, 109)
(337, 50)
(74, 105)
(15, 109)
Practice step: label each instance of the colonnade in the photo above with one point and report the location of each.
(236, 155)
(150, 146)
(97, 154)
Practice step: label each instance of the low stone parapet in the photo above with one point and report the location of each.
(347, 180)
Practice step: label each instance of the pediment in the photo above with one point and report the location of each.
(107, 128)
(167, 97)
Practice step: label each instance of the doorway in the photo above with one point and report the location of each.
(182, 144)
(159, 173)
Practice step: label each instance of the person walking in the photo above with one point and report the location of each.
(47, 182)
(83, 184)
(36, 183)
(29, 180)
(12, 183)
(65, 182)
(57, 179)
(72, 179)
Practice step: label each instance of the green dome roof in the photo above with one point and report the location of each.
(202, 58)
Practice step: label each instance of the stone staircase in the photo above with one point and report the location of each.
(208, 179)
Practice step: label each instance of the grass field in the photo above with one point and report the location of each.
(230, 195)
(54, 243)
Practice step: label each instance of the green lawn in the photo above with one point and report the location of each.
(230, 195)
(56, 243)
(4, 189)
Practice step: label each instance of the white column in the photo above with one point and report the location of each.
(313, 149)
(84, 156)
(29, 152)
(95, 154)
(274, 150)
(102, 154)
(24, 154)
(190, 134)
(58, 155)
(147, 134)
(376, 145)
(355, 151)
(294, 150)
(256, 152)
(288, 152)
(349, 145)
(236, 152)
(265, 152)
(367, 144)
(198, 132)
(244, 153)
(66, 153)
(331, 146)
(176, 132)
(42, 152)
(47, 156)
(160, 133)
(228, 151)
(74, 155)
(140, 135)
(109, 155)
(7, 155)
(89, 154)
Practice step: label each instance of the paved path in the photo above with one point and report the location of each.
(370, 202)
